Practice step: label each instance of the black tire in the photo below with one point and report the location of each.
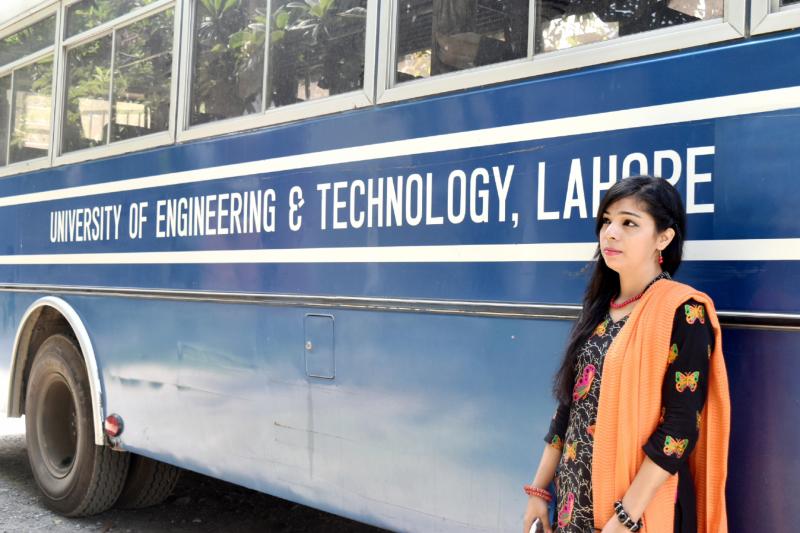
(76, 477)
(149, 483)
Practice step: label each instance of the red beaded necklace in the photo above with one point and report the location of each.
(631, 300)
(626, 302)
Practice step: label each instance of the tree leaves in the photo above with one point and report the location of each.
(281, 19)
(229, 4)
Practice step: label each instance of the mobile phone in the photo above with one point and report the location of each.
(537, 527)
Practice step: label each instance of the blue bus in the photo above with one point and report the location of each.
(331, 249)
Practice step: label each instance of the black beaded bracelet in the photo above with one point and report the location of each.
(625, 519)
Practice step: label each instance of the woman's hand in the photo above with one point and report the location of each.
(537, 508)
(614, 526)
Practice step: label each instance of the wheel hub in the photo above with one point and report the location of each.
(58, 432)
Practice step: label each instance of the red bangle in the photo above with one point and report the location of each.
(530, 490)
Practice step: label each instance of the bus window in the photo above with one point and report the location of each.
(564, 24)
(26, 92)
(87, 14)
(142, 77)
(316, 50)
(139, 86)
(35, 37)
(86, 112)
(228, 60)
(440, 36)
(31, 97)
(5, 112)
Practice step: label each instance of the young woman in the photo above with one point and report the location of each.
(639, 441)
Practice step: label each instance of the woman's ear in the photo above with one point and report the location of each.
(665, 237)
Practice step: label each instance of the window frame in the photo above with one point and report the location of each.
(281, 115)
(152, 140)
(768, 16)
(29, 17)
(731, 26)
(20, 22)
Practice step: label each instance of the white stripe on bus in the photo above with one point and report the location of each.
(692, 110)
(716, 250)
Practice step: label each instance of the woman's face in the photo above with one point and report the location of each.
(628, 237)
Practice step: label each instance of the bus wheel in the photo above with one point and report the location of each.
(76, 477)
(149, 482)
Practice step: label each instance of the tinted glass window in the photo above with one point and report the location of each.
(87, 110)
(90, 13)
(565, 24)
(228, 59)
(30, 126)
(31, 39)
(316, 49)
(142, 77)
(440, 36)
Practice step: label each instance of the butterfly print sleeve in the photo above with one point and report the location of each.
(684, 388)
(558, 427)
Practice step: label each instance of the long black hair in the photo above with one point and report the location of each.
(662, 202)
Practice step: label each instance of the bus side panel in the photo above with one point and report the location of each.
(420, 404)
(763, 481)
(431, 423)
(739, 182)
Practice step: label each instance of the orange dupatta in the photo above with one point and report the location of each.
(630, 406)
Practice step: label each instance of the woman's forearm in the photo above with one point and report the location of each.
(644, 487)
(547, 466)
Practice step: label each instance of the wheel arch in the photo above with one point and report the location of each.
(44, 317)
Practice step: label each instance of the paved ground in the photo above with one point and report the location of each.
(199, 504)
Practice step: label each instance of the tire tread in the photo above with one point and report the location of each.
(149, 483)
(112, 469)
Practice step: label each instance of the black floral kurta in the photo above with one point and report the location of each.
(684, 393)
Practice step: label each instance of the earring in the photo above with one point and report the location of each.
(660, 258)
